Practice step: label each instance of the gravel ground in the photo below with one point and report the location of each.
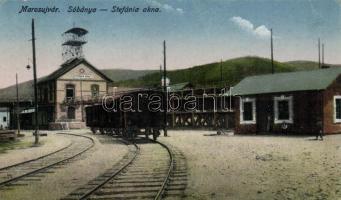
(66, 179)
(219, 167)
(48, 144)
(259, 167)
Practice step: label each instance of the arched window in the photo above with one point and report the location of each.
(94, 90)
(71, 112)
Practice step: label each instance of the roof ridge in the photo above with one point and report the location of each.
(287, 82)
(296, 72)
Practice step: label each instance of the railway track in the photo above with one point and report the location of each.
(150, 170)
(33, 170)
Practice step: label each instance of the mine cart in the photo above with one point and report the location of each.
(128, 114)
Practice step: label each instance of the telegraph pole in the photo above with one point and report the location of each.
(35, 86)
(165, 87)
(322, 55)
(82, 105)
(18, 115)
(161, 74)
(221, 73)
(319, 52)
(272, 54)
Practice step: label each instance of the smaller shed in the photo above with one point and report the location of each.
(296, 102)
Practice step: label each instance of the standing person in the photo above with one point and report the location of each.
(319, 133)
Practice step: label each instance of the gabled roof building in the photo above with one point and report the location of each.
(305, 102)
(59, 95)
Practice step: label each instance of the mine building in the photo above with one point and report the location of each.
(58, 93)
(302, 102)
(61, 93)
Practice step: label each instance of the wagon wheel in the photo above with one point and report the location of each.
(109, 131)
(120, 132)
(147, 132)
(133, 133)
(154, 137)
(156, 133)
(93, 130)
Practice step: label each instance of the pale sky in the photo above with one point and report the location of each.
(197, 32)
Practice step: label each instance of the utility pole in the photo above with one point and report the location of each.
(221, 73)
(322, 55)
(272, 54)
(18, 115)
(319, 52)
(161, 74)
(82, 105)
(35, 86)
(165, 87)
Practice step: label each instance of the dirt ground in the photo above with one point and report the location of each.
(219, 167)
(259, 167)
(28, 151)
(69, 177)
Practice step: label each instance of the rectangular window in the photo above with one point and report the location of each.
(4, 119)
(247, 114)
(283, 109)
(337, 109)
(94, 90)
(248, 111)
(70, 92)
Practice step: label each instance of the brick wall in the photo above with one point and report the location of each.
(242, 128)
(307, 112)
(329, 126)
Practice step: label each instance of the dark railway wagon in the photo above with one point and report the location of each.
(128, 114)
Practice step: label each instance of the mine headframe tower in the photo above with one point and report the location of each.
(73, 40)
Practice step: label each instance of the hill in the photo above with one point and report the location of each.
(303, 64)
(126, 74)
(306, 65)
(208, 75)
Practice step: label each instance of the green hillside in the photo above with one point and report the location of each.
(306, 65)
(126, 74)
(208, 75)
(303, 65)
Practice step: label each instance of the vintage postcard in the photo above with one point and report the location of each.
(170, 99)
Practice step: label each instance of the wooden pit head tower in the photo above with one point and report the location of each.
(73, 41)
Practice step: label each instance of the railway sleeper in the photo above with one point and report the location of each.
(179, 172)
(150, 171)
(137, 181)
(147, 175)
(176, 187)
(178, 178)
(177, 184)
(121, 185)
(125, 196)
(110, 191)
(147, 179)
(179, 175)
(177, 193)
